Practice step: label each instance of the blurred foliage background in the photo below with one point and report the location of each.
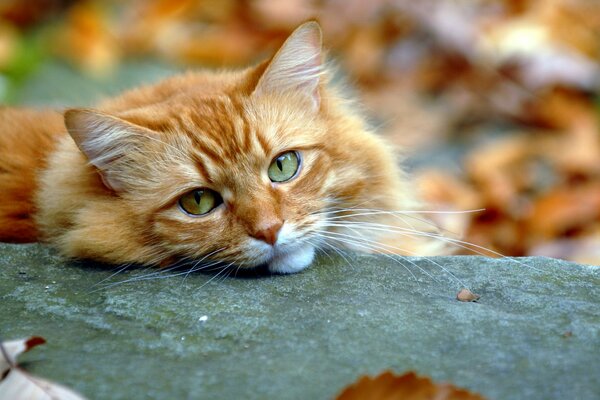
(495, 102)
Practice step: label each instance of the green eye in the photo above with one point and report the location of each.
(199, 201)
(284, 167)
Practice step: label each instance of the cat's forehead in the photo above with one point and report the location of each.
(232, 139)
(239, 126)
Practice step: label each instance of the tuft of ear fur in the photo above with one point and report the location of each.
(106, 141)
(297, 66)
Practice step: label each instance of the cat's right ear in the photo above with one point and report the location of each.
(106, 141)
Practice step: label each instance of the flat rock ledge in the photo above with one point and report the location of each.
(143, 334)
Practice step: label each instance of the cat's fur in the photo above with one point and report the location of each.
(109, 189)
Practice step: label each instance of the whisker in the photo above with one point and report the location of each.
(390, 247)
(218, 273)
(200, 261)
(355, 242)
(475, 248)
(119, 269)
(164, 272)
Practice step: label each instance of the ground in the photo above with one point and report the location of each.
(535, 332)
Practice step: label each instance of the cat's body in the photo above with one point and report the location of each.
(116, 183)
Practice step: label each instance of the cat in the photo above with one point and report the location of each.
(263, 165)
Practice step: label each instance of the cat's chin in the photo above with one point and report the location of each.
(293, 261)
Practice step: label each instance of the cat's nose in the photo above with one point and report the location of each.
(269, 233)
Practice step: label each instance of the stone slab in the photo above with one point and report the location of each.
(139, 334)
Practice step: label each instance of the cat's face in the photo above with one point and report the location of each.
(245, 180)
(242, 176)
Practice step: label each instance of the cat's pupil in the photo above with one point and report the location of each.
(280, 164)
(197, 196)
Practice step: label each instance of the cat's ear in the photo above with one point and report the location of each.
(297, 66)
(106, 141)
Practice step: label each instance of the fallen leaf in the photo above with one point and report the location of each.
(466, 295)
(564, 208)
(87, 41)
(409, 386)
(12, 349)
(17, 384)
(282, 14)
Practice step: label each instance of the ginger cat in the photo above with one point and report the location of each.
(258, 166)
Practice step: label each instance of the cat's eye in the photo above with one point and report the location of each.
(199, 201)
(284, 166)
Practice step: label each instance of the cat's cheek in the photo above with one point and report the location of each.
(290, 263)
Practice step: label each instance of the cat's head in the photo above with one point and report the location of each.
(243, 172)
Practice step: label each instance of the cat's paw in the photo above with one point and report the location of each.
(295, 261)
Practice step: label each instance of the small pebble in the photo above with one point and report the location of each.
(467, 295)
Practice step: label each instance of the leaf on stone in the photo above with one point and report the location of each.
(12, 349)
(16, 384)
(466, 295)
(409, 386)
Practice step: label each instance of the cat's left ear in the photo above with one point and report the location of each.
(297, 66)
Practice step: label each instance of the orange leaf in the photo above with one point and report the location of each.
(409, 386)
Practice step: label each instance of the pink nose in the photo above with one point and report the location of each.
(268, 234)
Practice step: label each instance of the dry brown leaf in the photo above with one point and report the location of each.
(9, 351)
(282, 14)
(497, 169)
(563, 209)
(17, 384)
(217, 45)
(582, 250)
(409, 386)
(87, 41)
(467, 296)
(364, 54)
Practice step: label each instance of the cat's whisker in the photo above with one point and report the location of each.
(315, 238)
(172, 275)
(393, 248)
(237, 269)
(475, 248)
(414, 232)
(411, 232)
(335, 249)
(119, 269)
(212, 253)
(317, 245)
(357, 243)
(200, 267)
(225, 268)
(356, 211)
(161, 273)
(352, 213)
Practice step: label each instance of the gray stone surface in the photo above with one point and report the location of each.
(534, 334)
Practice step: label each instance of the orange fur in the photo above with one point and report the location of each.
(26, 138)
(111, 187)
